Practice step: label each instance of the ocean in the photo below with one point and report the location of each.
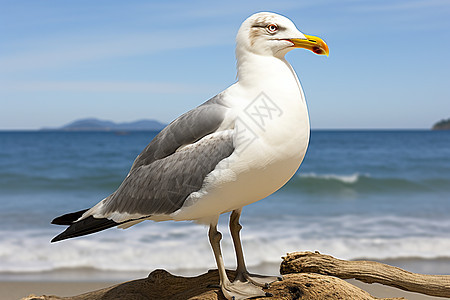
(380, 195)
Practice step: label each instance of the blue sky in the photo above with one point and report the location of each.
(129, 60)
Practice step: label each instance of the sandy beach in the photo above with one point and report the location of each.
(18, 290)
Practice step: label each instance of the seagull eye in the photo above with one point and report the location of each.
(272, 28)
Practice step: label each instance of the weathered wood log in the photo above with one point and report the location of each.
(366, 271)
(163, 285)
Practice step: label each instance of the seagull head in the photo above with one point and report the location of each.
(270, 34)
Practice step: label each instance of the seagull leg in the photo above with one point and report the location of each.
(231, 290)
(242, 274)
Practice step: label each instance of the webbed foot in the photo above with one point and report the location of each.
(240, 290)
(256, 279)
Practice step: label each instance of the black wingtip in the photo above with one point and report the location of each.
(68, 219)
(57, 238)
(86, 226)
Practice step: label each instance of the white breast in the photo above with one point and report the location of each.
(271, 135)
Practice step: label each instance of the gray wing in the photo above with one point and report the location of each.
(161, 177)
(162, 186)
(186, 129)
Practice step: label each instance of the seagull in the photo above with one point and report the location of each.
(233, 150)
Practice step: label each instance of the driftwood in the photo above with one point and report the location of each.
(162, 285)
(306, 276)
(366, 271)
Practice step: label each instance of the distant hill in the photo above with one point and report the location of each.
(92, 124)
(442, 125)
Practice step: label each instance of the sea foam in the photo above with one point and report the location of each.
(185, 245)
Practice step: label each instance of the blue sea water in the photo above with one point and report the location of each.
(358, 194)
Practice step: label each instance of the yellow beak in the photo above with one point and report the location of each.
(313, 43)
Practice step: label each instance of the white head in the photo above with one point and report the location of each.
(270, 34)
